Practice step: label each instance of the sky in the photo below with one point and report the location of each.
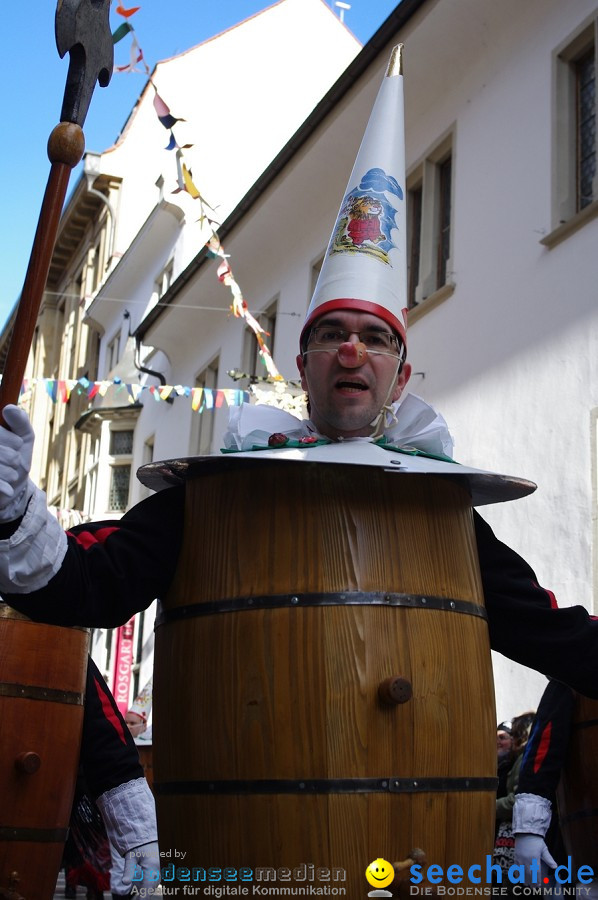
(32, 79)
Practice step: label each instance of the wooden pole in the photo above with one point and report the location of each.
(65, 150)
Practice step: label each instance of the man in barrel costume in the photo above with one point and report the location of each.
(353, 366)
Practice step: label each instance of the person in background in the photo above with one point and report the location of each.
(136, 719)
(117, 785)
(504, 755)
(536, 827)
(514, 740)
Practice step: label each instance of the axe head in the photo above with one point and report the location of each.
(83, 30)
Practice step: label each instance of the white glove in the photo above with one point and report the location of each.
(530, 847)
(142, 866)
(16, 449)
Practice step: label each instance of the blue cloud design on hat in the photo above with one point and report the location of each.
(377, 180)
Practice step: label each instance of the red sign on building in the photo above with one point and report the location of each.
(123, 662)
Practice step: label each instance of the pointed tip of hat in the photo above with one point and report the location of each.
(365, 265)
(395, 63)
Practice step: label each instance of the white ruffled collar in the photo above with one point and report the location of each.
(412, 425)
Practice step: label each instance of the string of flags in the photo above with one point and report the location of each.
(239, 307)
(60, 391)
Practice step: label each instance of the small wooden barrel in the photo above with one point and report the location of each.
(323, 690)
(42, 683)
(578, 789)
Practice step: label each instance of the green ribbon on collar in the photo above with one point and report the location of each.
(413, 451)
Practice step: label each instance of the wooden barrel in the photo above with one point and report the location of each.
(323, 691)
(42, 683)
(578, 789)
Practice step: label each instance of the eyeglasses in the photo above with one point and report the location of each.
(331, 337)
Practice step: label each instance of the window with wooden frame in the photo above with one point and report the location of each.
(429, 221)
(574, 138)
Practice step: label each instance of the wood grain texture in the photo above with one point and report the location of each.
(293, 692)
(39, 657)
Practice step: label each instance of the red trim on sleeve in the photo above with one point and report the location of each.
(108, 711)
(549, 594)
(88, 538)
(543, 746)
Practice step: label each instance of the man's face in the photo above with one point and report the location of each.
(345, 400)
(136, 723)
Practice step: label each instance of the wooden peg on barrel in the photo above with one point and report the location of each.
(83, 30)
(395, 690)
(28, 762)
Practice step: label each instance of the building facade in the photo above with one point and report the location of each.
(503, 323)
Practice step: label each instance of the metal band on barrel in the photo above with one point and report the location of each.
(36, 692)
(344, 598)
(33, 835)
(327, 786)
(586, 723)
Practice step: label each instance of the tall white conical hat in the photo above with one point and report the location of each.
(365, 265)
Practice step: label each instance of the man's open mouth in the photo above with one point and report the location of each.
(356, 386)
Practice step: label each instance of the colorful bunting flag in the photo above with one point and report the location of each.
(121, 32)
(163, 112)
(125, 13)
(61, 390)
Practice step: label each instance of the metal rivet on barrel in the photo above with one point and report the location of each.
(294, 599)
(385, 784)
(395, 690)
(452, 604)
(423, 599)
(28, 762)
(302, 785)
(250, 601)
(387, 598)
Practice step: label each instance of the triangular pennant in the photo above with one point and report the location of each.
(121, 32)
(196, 395)
(189, 186)
(125, 13)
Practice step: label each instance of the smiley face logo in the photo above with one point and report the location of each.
(379, 873)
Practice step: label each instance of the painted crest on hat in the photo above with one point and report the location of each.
(367, 217)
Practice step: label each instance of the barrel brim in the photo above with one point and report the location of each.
(484, 487)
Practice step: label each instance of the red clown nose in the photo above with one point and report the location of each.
(351, 356)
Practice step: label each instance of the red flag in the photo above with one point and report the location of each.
(125, 13)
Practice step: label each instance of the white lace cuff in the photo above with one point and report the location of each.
(531, 814)
(34, 553)
(129, 814)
